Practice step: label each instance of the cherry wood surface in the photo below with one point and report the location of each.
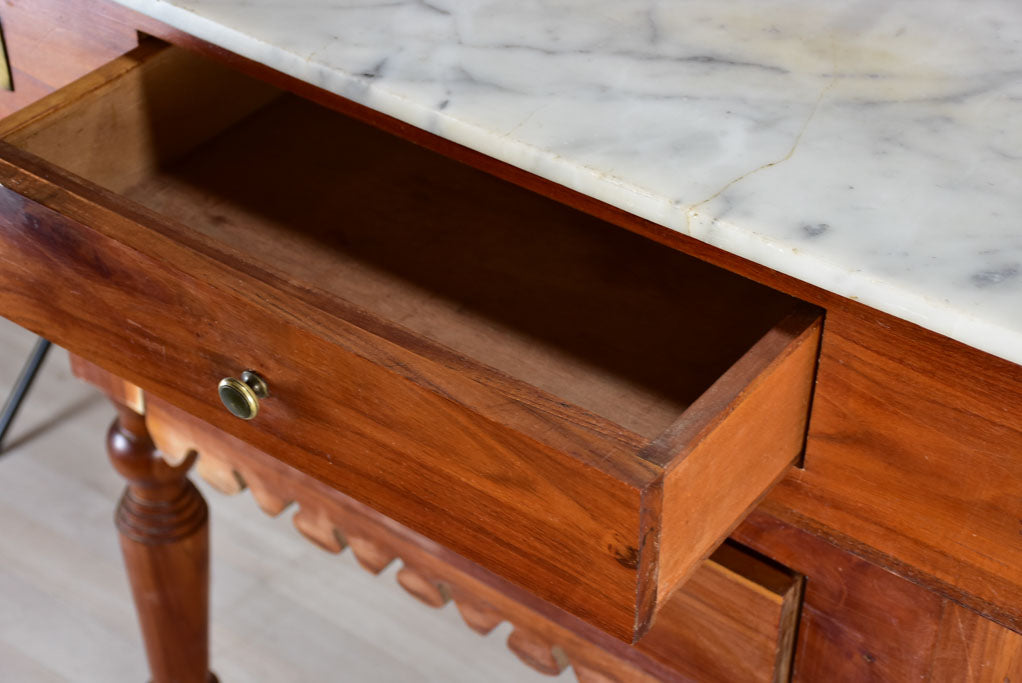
(914, 550)
(51, 42)
(926, 551)
(379, 336)
(861, 622)
(751, 448)
(973, 649)
(858, 621)
(164, 533)
(118, 123)
(915, 458)
(518, 501)
(733, 621)
(910, 549)
(978, 439)
(600, 318)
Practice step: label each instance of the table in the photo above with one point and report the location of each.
(904, 500)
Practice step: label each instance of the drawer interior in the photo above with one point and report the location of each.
(596, 316)
(578, 409)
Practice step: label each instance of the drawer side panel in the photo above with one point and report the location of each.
(713, 483)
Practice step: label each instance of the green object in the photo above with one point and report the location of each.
(241, 396)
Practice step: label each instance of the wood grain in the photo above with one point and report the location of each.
(732, 622)
(167, 307)
(859, 621)
(120, 392)
(510, 490)
(593, 319)
(972, 649)
(907, 550)
(825, 498)
(164, 533)
(735, 619)
(52, 42)
(120, 123)
(401, 317)
(862, 622)
(746, 431)
(913, 459)
(282, 610)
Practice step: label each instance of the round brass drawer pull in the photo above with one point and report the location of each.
(241, 396)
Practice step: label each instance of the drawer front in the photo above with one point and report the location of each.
(734, 620)
(51, 42)
(529, 512)
(553, 497)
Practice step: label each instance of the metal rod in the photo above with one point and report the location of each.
(22, 386)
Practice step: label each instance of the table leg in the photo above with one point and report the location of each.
(163, 524)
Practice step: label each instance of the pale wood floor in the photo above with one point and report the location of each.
(283, 611)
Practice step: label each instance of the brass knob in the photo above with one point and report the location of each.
(241, 396)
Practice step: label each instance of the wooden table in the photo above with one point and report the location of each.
(490, 377)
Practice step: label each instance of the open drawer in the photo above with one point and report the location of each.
(580, 410)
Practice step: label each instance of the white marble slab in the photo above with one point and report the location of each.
(870, 147)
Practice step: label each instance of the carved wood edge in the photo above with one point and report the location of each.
(543, 636)
(159, 504)
(429, 572)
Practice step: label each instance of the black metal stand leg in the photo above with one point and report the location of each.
(22, 386)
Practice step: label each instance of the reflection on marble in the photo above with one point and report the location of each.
(870, 147)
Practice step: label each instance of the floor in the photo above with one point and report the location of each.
(283, 610)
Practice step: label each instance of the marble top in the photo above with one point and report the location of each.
(870, 147)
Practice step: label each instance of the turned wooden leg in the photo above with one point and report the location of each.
(162, 521)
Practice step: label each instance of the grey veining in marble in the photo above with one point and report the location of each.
(872, 148)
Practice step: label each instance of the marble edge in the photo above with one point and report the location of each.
(885, 296)
(876, 293)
